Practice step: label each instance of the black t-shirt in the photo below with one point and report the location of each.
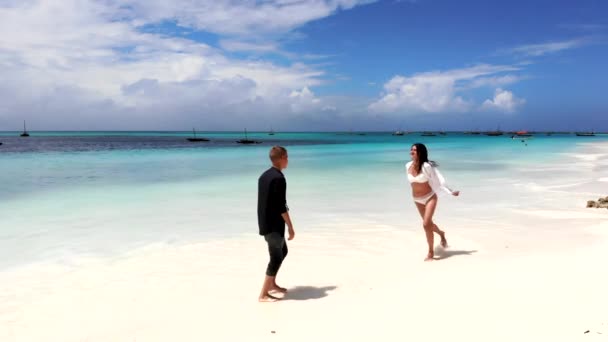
(272, 189)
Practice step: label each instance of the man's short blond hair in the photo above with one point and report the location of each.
(277, 152)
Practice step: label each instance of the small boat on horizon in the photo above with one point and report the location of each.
(521, 134)
(399, 132)
(271, 131)
(25, 133)
(428, 134)
(473, 132)
(494, 133)
(195, 139)
(585, 134)
(247, 141)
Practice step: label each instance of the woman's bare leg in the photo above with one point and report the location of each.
(428, 221)
(441, 233)
(426, 211)
(429, 225)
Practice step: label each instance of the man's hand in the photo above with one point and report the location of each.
(292, 233)
(287, 220)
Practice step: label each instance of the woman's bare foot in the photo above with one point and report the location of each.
(268, 298)
(444, 242)
(429, 257)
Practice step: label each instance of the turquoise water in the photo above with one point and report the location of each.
(66, 194)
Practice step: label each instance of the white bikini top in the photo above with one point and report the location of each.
(428, 173)
(420, 178)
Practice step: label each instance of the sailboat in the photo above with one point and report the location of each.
(495, 133)
(25, 133)
(247, 141)
(521, 134)
(399, 132)
(271, 131)
(195, 139)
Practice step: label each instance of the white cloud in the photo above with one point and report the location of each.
(436, 91)
(504, 101)
(303, 100)
(247, 17)
(419, 93)
(537, 50)
(584, 27)
(235, 45)
(495, 81)
(312, 56)
(82, 61)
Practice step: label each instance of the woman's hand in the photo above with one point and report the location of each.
(456, 193)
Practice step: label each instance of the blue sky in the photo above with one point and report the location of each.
(304, 64)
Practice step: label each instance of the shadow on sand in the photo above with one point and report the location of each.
(441, 253)
(308, 292)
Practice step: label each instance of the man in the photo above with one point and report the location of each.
(273, 214)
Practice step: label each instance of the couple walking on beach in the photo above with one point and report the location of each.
(273, 212)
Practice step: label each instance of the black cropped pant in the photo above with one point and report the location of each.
(277, 248)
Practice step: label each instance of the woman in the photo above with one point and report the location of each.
(426, 182)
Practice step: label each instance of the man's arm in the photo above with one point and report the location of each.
(290, 230)
(282, 192)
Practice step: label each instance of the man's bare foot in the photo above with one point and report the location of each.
(268, 298)
(429, 257)
(277, 288)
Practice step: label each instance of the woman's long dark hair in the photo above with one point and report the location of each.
(423, 156)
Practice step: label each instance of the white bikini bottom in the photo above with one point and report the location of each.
(425, 198)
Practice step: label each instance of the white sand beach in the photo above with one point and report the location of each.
(532, 272)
